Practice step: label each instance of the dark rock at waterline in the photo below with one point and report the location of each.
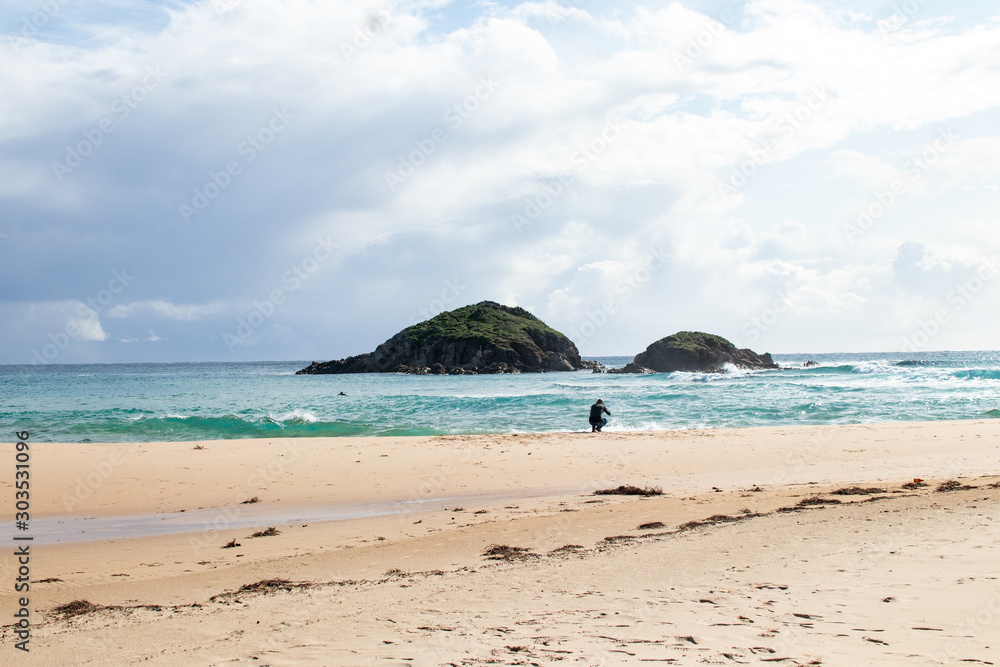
(485, 338)
(632, 368)
(697, 352)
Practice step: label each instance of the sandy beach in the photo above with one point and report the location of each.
(494, 549)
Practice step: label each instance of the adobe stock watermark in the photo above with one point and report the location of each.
(769, 316)
(883, 201)
(957, 298)
(888, 540)
(455, 117)
(697, 45)
(624, 289)
(892, 537)
(452, 290)
(433, 484)
(902, 13)
(32, 25)
(225, 6)
(804, 455)
(249, 150)
(229, 514)
(761, 154)
(552, 190)
(88, 311)
(365, 34)
(291, 281)
(973, 625)
(624, 463)
(120, 110)
(92, 480)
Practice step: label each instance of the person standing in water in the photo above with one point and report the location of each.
(597, 420)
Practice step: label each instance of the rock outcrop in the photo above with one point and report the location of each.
(632, 368)
(694, 351)
(483, 338)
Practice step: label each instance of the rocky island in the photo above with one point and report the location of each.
(478, 339)
(695, 352)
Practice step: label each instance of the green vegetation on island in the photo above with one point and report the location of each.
(698, 352)
(695, 340)
(486, 337)
(486, 322)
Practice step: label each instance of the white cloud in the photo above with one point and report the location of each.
(167, 310)
(83, 321)
(870, 172)
(836, 104)
(48, 331)
(152, 338)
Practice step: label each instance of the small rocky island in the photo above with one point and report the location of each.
(695, 352)
(479, 339)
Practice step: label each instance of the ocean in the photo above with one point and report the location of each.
(207, 401)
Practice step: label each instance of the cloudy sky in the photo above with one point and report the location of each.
(300, 179)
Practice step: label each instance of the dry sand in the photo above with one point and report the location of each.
(379, 552)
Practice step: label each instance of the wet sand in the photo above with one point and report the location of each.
(379, 555)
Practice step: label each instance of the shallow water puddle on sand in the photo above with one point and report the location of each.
(68, 529)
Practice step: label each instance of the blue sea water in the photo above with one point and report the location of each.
(201, 401)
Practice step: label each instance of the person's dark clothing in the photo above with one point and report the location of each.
(597, 421)
(596, 410)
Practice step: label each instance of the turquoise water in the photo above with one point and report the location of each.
(150, 402)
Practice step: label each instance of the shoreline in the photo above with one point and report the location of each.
(97, 479)
(989, 415)
(732, 530)
(213, 402)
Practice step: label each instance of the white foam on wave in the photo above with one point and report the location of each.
(688, 376)
(879, 366)
(731, 369)
(296, 415)
(801, 365)
(685, 376)
(486, 394)
(641, 427)
(166, 415)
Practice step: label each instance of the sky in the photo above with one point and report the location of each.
(237, 180)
